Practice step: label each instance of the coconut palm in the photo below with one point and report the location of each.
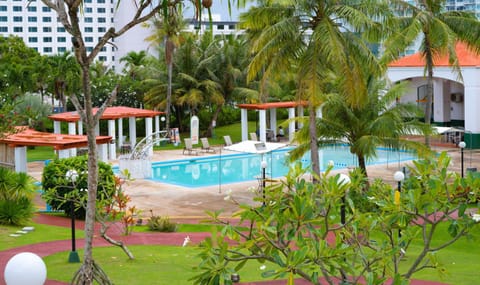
(312, 39)
(65, 77)
(378, 121)
(439, 31)
(133, 62)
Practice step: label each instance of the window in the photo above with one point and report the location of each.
(3, 29)
(102, 58)
(32, 9)
(3, 19)
(89, 49)
(88, 20)
(47, 29)
(88, 30)
(47, 19)
(102, 29)
(88, 10)
(101, 10)
(220, 27)
(87, 1)
(32, 19)
(17, 29)
(103, 49)
(61, 49)
(88, 39)
(46, 9)
(17, 8)
(47, 39)
(101, 1)
(47, 49)
(32, 39)
(17, 18)
(32, 29)
(3, 8)
(60, 29)
(231, 27)
(102, 20)
(61, 39)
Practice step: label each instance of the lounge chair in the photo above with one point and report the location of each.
(228, 140)
(253, 137)
(188, 148)
(206, 145)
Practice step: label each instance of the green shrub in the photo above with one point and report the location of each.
(59, 191)
(161, 224)
(16, 197)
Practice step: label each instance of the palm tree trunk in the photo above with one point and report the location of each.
(428, 105)
(214, 119)
(362, 164)
(312, 127)
(169, 46)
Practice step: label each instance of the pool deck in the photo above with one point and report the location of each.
(185, 203)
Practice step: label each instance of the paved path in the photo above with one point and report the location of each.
(175, 239)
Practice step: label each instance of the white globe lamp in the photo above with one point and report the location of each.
(25, 268)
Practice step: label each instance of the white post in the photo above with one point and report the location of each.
(57, 127)
(120, 133)
(21, 159)
(132, 127)
(300, 115)
(157, 130)
(72, 131)
(273, 122)
(244, 123)
(102, 152)
(148, 134)
(291, 124)
(80, 127)
(318, 112)
(64, 153)
(112, 150)
(262, 116)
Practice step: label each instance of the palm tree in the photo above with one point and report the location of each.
(133, 62)
(65, 77)
(440, 31)
(378, 121)
(312, 39)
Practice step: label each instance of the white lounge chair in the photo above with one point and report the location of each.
(253, 137)
(206, 145)
(228, 140)
(188, 148)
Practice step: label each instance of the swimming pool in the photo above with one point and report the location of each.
(233, 168)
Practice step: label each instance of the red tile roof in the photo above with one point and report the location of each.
(271, 105)
(466, 57)
(29, 137)
(111, 113)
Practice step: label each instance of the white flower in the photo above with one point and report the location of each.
(186, 241)
(263, 267)
(229, 192)
(252, 189)
(476, 217)
(227, 198)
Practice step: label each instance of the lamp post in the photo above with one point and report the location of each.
(343, 180)
(462, 146)
(264, 167)
(235, 278)
(73, 257)
(399, 177)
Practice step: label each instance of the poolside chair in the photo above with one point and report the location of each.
(188, 148)
(253, 137)
(228, 140)
(206, 145)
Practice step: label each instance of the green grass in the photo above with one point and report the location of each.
(40, 153)
(152, 265)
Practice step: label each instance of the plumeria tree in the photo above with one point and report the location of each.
(332, 229)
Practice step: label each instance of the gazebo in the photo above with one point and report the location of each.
(111, 114)
(19, 141)
(262, 117)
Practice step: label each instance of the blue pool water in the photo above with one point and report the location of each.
(232, 168)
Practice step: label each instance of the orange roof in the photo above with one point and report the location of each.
(466, 57)
(29, 137)
(111, 113)
(271, 105)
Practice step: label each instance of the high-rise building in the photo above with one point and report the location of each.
(464, 5)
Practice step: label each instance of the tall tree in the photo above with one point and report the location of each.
(65, 77)
(439, 31)
(313, 38)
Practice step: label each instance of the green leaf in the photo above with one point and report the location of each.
(453, 229)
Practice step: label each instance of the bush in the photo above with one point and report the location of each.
(57, 186)
(16, 197)
(161, 224)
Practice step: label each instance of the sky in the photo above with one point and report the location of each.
(221, 7)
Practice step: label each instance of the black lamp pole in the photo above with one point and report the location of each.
(73, 256)
(462, 145)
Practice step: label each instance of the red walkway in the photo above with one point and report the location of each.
(176, 239)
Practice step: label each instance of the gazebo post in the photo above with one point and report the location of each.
(148, 134)
(21, 159)
(291, 124)
(273, 123)
(132, 127)
(244, 120)
(262, 116)
(157, 130)
(112, 150)
(120, 133)
(300, 114)
(72, 131)
(57, 127)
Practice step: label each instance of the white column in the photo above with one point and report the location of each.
(273, 122)
(120, 132)
(148, 134)
(57, 127)
(291, 124)
(157, 130)
(97, 129)
(72, 131)
(21, 159)
(64, 153)
(80, 127)
(300, 115)
(132, 128)
(318, 112)
(439, 99)
(262, 116)
(472, 116)
(244, 123)
(102, 152)
(112, 150)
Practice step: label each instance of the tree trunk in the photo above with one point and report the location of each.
(169, 49)
(428, 105)
(214, 119)
(312, 127)
(362, 164)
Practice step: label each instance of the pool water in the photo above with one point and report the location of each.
(233, 168)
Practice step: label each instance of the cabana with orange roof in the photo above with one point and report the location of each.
(28, 137)
(111, 114)
(456, 102)
(262, 117)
